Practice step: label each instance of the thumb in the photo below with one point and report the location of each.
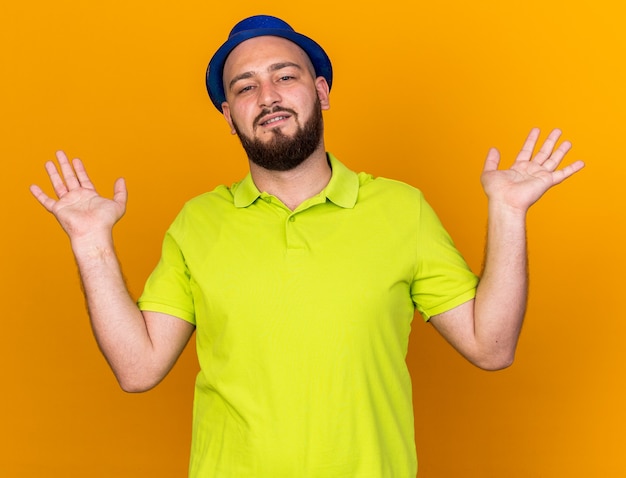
(120, 193)
(492, 160)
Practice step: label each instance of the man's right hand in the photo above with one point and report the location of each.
(141, 347)
(80, 209)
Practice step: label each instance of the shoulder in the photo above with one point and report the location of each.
(204, 211)
(222, 197)
(381, 188)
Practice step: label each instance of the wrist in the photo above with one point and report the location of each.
(95, 244)
(504, 210)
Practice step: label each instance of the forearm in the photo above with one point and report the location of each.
(140, 347)
(118, 325)
(501, 297)
(486, 329)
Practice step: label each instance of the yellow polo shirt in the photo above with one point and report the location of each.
(302, 323)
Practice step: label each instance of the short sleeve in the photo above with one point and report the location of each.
(442, 280)
(168, 288)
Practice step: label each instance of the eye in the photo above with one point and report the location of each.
(245, 89)
(286, 78)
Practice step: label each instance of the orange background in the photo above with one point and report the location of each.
(422, 90)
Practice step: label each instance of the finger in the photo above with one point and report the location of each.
(45, 200)
(120, 193)
(555, 158)
(69, 176)
(547, 147)
(567, 171)
(58, 184)
(492, 160)
(529, 145)
(81, 174)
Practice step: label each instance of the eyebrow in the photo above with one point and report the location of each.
(272, 67)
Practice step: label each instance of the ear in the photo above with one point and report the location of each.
(227, 117)
(323, 91)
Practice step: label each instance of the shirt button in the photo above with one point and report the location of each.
(292, 218)
(267, 199)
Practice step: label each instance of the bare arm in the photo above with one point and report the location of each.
(141, 347)
(486, 329)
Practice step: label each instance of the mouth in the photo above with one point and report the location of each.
(271, 121)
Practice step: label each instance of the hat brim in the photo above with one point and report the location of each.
(214, 81)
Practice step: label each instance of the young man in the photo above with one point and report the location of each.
(302, 279)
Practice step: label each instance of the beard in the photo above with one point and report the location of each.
(282, 152)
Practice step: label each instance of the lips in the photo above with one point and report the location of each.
(272, 120)
(268, 118)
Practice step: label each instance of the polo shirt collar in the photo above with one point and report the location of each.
(246, 192)
(342, 189)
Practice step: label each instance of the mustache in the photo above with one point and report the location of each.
(267, 111)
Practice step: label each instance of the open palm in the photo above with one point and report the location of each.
(79, 208)
(529, 177)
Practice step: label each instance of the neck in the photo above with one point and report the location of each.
(295, 186)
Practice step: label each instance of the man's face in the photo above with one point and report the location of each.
(274, 102)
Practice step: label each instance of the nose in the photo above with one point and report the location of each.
(268, 94)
